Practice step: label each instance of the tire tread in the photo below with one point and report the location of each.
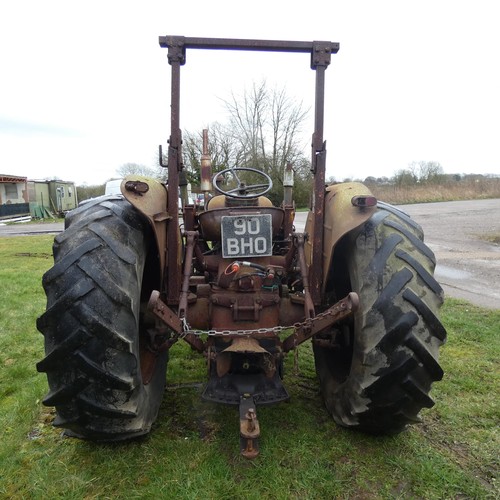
(91, 323)
(397, 330)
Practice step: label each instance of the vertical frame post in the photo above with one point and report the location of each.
(320, 59)
(176, 58)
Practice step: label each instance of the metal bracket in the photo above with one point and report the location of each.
(321, 53)
(299, 241)
(341, 310)
(191, 237)
(176, 49)
(161, 161)
(170, 318)
(163, 312)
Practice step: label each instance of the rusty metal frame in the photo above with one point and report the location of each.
(320, 52)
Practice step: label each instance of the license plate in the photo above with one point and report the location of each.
(246, 235)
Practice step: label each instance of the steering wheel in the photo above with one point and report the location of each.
(240, 181)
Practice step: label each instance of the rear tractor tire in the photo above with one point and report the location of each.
(378, 377)
(105, 383)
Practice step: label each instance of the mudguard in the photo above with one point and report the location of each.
(149, 197)
(341, 216)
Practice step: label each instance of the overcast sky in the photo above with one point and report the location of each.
(84, 85)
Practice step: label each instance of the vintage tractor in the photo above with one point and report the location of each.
(238, 283)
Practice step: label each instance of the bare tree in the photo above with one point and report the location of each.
(137, 169)
(419, 172)
(429, 171)
(405, 177)
(263, 132)
(222, 148)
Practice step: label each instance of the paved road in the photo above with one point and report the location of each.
(457, 231)
(26, 228)
(468, 265)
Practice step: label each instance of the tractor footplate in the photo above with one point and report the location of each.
(249, 427)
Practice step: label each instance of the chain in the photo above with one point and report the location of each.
(246, 333)
(240, 333)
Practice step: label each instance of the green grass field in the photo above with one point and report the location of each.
(193, 451)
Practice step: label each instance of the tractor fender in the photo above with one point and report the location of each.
(149, 197)
(340, 217)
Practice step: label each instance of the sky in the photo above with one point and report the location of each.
(85, 86)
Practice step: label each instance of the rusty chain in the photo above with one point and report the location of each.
(257, 331)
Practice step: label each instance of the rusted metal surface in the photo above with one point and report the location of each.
(341, 310)
(236, 310)
(173, 268)
(245, 345)
(308, 303)
(249, 428)
(148, 363)
(191, 237)
(163, 312)
(149, 196)
(172, 320)
(179, 44)
(321, 58)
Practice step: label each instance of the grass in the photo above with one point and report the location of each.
(193, 449)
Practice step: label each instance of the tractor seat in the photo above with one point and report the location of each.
(221, 201)
(218, 206)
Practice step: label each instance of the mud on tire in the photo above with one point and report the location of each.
(379, 377)
(103, 382)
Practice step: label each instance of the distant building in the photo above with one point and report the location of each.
(51, 197)
(40, 199)
(14, 200)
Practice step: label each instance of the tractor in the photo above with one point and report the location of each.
(136, 272)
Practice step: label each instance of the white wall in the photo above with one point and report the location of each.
(10, 195)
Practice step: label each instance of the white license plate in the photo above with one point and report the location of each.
(246, 235)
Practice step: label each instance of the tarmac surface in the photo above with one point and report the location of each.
(468, 265)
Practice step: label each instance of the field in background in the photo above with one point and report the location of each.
(474, 188)
(193, 449)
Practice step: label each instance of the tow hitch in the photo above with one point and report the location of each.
(249, 427)
(252, 388)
